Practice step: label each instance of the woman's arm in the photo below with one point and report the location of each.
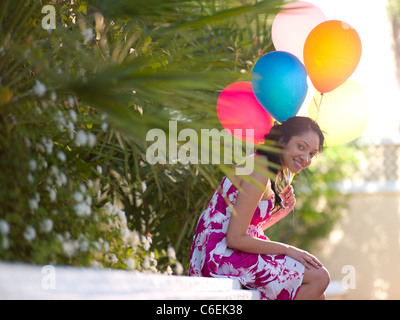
(246, 203)
(288, 201)
(237, 237)
(279, 216)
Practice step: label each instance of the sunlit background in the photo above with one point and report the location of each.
(363, 251)
(377, 69)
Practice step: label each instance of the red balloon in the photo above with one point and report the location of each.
(238, 108)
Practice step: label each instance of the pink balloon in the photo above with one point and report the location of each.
(292, 25)
(238, 108)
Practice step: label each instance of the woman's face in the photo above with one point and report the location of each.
(298, 153)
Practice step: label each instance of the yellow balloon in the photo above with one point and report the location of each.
(343, 114)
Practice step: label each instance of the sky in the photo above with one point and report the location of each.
(376, 71)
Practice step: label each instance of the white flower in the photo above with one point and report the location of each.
(4, 227)
(91, 140)
(82, 209)
(81, 138)
(83, 188)
(30, 233)
(78, 197)
(135, 238)
(112, 258)
(40, 148)
(54, 170)
(171, 253)
(70, 129)
(62, 179)
(130, 264)
(146, 263)
(48, 144)
(106, 246)
(60, 119)
(108, 207)
(34, 203)
(96, 245)
(153, 259)
(52, 195)
(126, 234)
(69, 248)
(46, 225)
(144, 186)
(71, 100)
(72, 114)
(31, 179)
(5, 244)
(87, 35)
(84, 246)
(39, 89)
(146, 242)
(61, 156)
(90, 184)
(168, 271)
(178, 269)
(99, 169)
(88, 200)
(122, 217)
(32, 164)
(28, 142)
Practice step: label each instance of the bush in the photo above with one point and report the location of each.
(76, 103)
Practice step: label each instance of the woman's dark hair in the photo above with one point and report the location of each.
(283, 132)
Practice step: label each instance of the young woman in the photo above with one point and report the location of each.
(229, 239)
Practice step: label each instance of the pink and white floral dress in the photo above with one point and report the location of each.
(277, 277)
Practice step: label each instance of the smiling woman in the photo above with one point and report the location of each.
(300, 140)
(229, 239)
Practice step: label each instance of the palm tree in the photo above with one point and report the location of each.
(77, 102)
(82, 83)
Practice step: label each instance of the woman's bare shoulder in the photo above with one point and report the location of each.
(259, 176)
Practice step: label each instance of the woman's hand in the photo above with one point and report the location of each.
(307, 259)
(287, 196)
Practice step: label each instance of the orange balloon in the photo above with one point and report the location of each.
(332, 52)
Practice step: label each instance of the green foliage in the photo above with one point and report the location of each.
(76, 104)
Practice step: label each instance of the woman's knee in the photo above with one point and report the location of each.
(325, 277)
(320, 277)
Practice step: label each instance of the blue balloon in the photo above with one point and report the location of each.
(279, 82)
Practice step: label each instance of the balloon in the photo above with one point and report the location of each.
(332, 52)
(292, 25)
(238, 108)
(279, 83)
(342, 114)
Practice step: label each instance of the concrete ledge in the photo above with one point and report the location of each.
(32, 282)
(24, 281)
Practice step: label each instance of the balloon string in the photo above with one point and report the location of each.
(318, 106)
(289, 177)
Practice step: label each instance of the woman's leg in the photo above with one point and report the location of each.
(315, 282)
